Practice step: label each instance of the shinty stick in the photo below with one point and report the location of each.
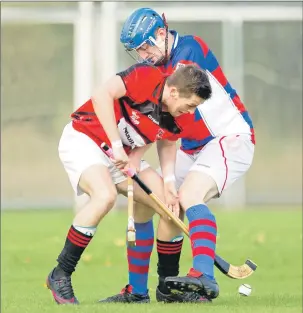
(232, 271)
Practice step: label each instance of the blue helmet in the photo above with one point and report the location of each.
(140, 28)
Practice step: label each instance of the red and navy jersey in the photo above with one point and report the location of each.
(224, 113)
(139, 115)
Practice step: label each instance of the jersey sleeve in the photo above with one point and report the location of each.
(140, 81)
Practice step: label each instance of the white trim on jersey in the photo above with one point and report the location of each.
(176, 41)
(220, 114)
(205, 122)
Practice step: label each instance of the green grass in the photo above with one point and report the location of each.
(31, 241)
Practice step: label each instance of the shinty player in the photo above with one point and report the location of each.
(217, 152)
(131, 111)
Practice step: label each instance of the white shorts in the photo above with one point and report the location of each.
(78, 152)
(225, 159)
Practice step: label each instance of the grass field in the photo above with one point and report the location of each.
(31, 241)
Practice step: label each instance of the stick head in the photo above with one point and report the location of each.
(243, 271)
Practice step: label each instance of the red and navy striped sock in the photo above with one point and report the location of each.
(169, 253)
(139, 257)
(203, 234)
(75, 244)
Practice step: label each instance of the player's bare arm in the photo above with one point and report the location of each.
(103, 102)
(167, 157)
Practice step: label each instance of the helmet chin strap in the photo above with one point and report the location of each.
(166, 37)
(159, 44)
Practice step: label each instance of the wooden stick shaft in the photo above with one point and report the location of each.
(130, 197)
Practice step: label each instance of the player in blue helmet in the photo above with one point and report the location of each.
(211, 162)
(145, 36)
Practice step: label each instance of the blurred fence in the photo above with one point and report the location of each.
(262, 59)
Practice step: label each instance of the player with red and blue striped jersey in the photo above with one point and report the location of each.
(215, 151)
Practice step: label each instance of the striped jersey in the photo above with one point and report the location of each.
(224, 113)
(139, 116)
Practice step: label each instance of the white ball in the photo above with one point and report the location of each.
(244, 290)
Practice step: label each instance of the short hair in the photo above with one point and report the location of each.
(190, 79)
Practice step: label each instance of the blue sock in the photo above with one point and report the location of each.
(139, 257)
(203, 235)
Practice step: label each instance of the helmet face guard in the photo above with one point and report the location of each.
(152, 59)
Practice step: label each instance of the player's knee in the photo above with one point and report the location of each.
(197, 188)
(191, 197)
(103, 201)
